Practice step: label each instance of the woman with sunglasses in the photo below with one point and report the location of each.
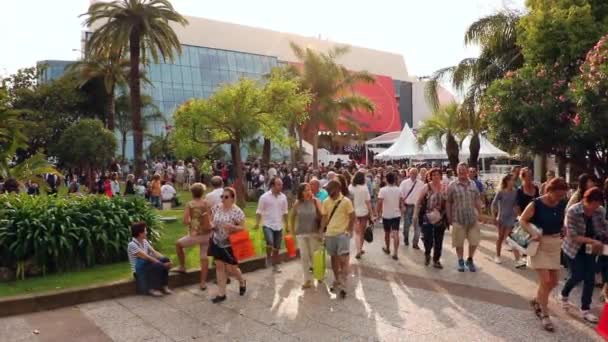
(227, 218)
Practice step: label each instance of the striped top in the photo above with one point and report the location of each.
(134, 247)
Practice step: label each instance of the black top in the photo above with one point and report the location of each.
(522, 199)
(129, 189)
(549, 219)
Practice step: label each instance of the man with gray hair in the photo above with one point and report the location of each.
(411, 188)
(463, 206)
(215, 196)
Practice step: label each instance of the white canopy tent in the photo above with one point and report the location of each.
(406, 147)
(486, 149)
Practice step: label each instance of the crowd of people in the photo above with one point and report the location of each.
(329, 207)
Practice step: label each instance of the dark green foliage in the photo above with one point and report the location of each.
(59, 234)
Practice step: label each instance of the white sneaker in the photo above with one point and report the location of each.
(563, 302)
(497, 260)
(276, 269)
(268, 262)
(588, 316)
(521, 263)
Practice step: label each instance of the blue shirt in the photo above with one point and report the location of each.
(322, 195)
(479, 185)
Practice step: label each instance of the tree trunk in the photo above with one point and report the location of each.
(110, 109)
(474, 147)
(91, 180)
(239, 185)
(452, 151)
(124, 144)
(315, 150)
(266, 152)
(135, 92)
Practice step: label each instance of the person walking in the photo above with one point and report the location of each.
(410, 192)
(272, 212)
(227, 218)
(305, 226)
(585, 181)
(550, 175)
(338, 220)
(586, 230)
(363, 209)
(319, 193)
(197, 217)
(390, 208)
(431, 215)
(214, 197)
(547, 214)
(503, 211)
(463, 206)
(527, 192)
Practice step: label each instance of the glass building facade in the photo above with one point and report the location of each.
(51, 69)
(196, 73)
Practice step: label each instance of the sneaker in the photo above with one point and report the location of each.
(437, 265)
(307, 285)
(342, 294)
(276, 269)
(155, 293)
(415, 246)
(497, 260)
(218, 299)
(521, 263)
(395, 257)
(427, 260)
(563, 302)
(587, 316)
(406, 243)
(386, 250)
(268, 263)
(358, 256)
(471, 265)
(460, 265)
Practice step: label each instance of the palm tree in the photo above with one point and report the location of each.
(111, 70)
(446, 121)
(331, 86)
(496, 35)
(141, 26)
(124, 116)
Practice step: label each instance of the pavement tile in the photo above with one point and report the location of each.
(16, 329)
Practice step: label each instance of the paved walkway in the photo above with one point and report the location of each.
(388, 301)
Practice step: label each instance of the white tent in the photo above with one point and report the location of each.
(406, 147)
(384, 139)
(486, 149)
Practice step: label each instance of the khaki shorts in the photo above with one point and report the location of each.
(471, 233)
(201, 240)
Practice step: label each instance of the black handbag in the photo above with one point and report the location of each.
(368, 235)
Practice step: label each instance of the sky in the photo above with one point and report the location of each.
(427, 33)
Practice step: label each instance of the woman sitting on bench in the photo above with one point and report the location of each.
(150, 268)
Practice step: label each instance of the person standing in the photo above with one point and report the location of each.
(410, 192)
(390, 207)
(586, 228)
(305, 226)
(114, 184)
(197, 217)
(130, 185)
(363, 209)
(547, 214)
(215, 196)
(154, 191)
(432, 217)
(319, 193)
(168, 194)
(338, 220)
(272, 212)
(463, 207)
(227, 218)
(503, 211)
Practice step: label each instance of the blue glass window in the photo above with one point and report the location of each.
(213, 59)
(187, 74)
(223, 59)
(196, 76)
(231, 60)
(194, 57)
(176, 74)
(165, 70)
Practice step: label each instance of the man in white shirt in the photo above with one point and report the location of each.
(167, 192)
(158, 168)
(272, 212)
(410, 191)
(215, 196)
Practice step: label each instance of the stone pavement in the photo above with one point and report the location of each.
(388, 301)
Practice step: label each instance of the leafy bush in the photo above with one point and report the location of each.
(58, 234)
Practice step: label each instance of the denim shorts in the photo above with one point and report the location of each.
(337, 245)
(273, 237)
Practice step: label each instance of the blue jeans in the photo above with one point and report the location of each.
(273, 237)
(150, 275)
(582, 268)
(155, 200)
(408, 220)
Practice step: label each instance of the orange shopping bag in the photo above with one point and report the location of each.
(290, 245)
(602, 325)
(242, 247)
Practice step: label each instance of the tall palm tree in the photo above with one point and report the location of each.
(446, 122)
(124, 116)
(331, 86)
(496, 36)
(112, 70)
(141, 26)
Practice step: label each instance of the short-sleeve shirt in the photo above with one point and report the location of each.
(272, 208)
(390, 195)
(463, 197)
(339, 221)
(322, 195)
(360, 195)
(221, 217)
(214, 197)
(133, 248)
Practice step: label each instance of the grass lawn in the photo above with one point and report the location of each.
(117, 271)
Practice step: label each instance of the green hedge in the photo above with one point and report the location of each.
(54, 234)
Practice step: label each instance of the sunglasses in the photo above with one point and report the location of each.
(226, 197)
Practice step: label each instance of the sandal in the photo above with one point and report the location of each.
(179, 270)
(547, 324)
(243, 288)
(536, 308)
